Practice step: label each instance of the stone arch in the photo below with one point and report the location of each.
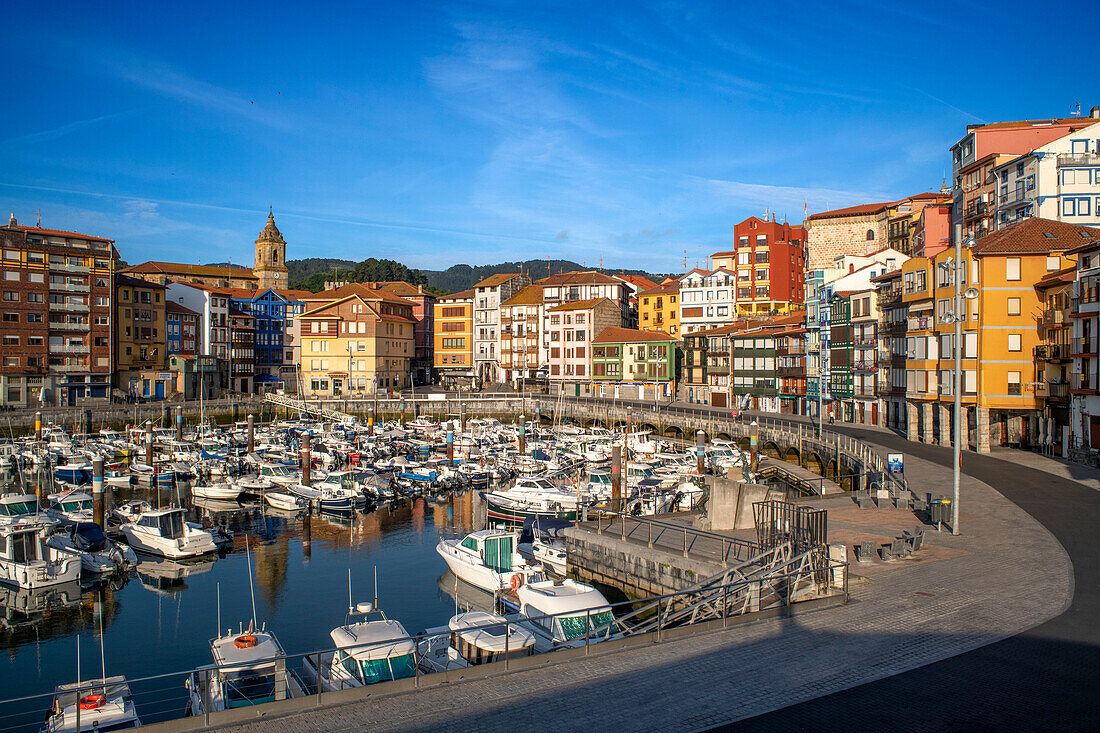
(673, 431)
(723, 436)
(791, 456)
(815, 464)
(744, 443)
(648, 426)
(771, 448)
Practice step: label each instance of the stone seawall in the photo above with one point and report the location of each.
(634, 569)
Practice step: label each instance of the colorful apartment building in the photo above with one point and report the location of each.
(242, 350)
(707, 299)
(659, 308)
(983, 149)
(569, 329)
(359, 342)
(453, 355)
(183, 329)
(643, 359)
(488, 295)
(1053, 363)
(1085, 344)
(424, 313)
(769, 259)
(521, 320)
(892, 319)
(141, 328)
(275, 346)
(790, 363)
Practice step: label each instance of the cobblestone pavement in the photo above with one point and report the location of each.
(1004, 575)
(1043, 679)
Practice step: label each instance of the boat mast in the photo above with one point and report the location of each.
(102, 655)
(251, 587)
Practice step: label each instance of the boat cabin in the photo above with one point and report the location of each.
(562, 611)
(107, 706)
(374, 650)
(168, 523)
(16, 507)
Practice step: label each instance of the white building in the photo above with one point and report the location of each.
(1059, 181)
(1084, 384)
(213, 306)
(488, 295)
(707, 299)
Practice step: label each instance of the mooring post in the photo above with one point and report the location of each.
(700, 453)
(522, 434)
(307, 460)
(38, 427)
(754, 449)
(149, 442)
(179, 423)
(450, 446)
(370, 420)
(97, 491)
(616, 478)
(251, 433)
(462, 412)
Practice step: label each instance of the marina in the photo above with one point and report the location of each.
(246, 523)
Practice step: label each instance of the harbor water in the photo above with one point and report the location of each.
(161, 617)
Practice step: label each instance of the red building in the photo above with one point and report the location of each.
(770, 260)
(424, 331)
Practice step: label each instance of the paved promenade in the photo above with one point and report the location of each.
(1004, 575)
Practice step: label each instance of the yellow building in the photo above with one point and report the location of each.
(357, 342)
(1003, 388)
(453, 353)
(659, 309)
(142, 332)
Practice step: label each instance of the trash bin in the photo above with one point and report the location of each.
(940, 511)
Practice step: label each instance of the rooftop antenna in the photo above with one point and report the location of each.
(1075, 109)
(38, 214)
(685, 260)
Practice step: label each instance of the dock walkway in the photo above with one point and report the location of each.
(1004, 575)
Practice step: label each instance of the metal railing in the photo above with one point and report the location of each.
(728, 548)
(772, 579)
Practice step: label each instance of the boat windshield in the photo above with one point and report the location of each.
(600, 478)
(171, 526)
(275, 471)
(249, 687)
(16, 508)
(572, 627)
(23, 547)
(76, 505)
(384, 670)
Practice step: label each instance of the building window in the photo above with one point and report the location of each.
(1012, 268)
(1014, 383)
(1013, 306)
(1014, 340)
(870, 235)
(1053, 263)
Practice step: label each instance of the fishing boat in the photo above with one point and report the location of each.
(99, 705)
(369, 650)
(474, 638)
(131, 510)
(27, 561)
(249, 669)
(560, 612)
(165, 532)
(530, 497)
(76, 474)
(487, 559)
(326, 499)
(98, 554)
(70, 506)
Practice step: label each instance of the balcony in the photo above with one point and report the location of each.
(1083, 346)
(1058, 352)
(976, 209)
(919, 323)
(70, 349)
(69, 307)
(68, 368)
(1074, 159)
(57, 325)
(866, 342)
(791, 371)
(1054, 317)
(1056, 391)
(70, 288)
(69, 268)
(865, 366)
(1017, 196)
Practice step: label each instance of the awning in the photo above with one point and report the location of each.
(265, 377)
(921, 307)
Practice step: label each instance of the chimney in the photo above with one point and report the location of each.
(1094, 113)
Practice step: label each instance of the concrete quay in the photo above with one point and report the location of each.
(1004, 575)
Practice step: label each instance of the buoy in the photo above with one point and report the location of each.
(244, 642)
(91, 702)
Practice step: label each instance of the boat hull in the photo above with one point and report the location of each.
(504, 513)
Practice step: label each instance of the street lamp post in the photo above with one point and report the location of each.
(957, 270)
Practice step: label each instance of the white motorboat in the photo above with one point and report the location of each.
(165, 532)
(286, 502)
(561, 613)
(371, 650)
(104, 705)
(220, 491)
(27, 561)
(531, 496)
(98, 554)
(19, 509)
(254, 484)
(551, 554)
(249, 669)
(488, 559)
(131, 510)
(70, 506)
(473, 638)
(278, 474)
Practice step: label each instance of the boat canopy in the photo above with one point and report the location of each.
(490, 632)
(373, 640)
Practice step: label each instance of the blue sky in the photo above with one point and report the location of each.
(440, 133)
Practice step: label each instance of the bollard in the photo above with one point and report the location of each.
(616, 477)
(97, 491)
(700, 453)
(463, 414)
(450, 447)
(251, 433)
(523, 434)
(403, 421)
(38, 426)
(179, 424)
(370, 420)
(307, 460)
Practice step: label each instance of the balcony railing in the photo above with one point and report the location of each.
(977, 208)
(70, 287)
(1041, 352)
(1054, 317)
(1072, 159)
(791, 371)
(70, 307)
(1015, 196)
(70, 349)
(1057, 391)
(69, 268)
(68, 326)
(865, 366)
(66, 368)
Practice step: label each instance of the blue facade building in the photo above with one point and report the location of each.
(273, 312)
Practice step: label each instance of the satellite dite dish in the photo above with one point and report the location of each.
(971, 292)
(948, 318)
(276, 276)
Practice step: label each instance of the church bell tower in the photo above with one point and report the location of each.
(270, 268)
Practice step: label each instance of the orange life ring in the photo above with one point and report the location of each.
(517, 581)
(244, 642)
(91, 702)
